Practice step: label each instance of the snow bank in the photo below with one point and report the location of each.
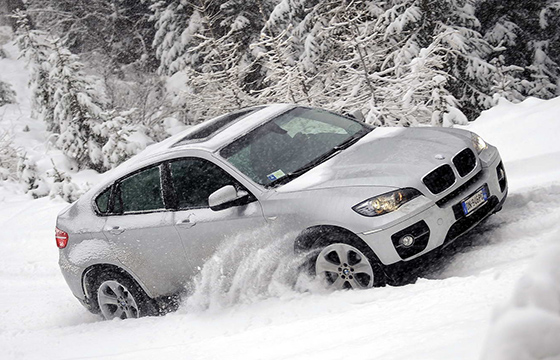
(527, 134)
(528, 326)
(521, 131)
(528, 137)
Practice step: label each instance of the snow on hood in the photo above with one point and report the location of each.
(388, 157)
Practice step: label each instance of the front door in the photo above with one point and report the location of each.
(203, 230)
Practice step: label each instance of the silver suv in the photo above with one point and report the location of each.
(364, 198)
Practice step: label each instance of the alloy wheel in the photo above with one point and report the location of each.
(342, 266)
(116, 301)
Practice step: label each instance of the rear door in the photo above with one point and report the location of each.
(143, 234)
(203, 230)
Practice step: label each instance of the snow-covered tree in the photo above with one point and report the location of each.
(78, 108)
(9, 156)
(35, 185)
(543, 71)
(413, 25)
(319, 53)
(505, 81)
(118, 145)
(63, 186)
(116, 31)
(209, 41)
(219, 62)
(179, 23)
(7, 94)
(528, 37)
(285, 80)
(36, 49)
(74, 104)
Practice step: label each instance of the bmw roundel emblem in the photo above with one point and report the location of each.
(439, 157)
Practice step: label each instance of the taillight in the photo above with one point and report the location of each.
(61, 238)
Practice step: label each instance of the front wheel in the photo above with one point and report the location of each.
(344, 263)
(342, 266)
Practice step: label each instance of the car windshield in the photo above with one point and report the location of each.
(291, 144)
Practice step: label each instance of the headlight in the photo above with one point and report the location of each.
(478, 143)
(386, 203)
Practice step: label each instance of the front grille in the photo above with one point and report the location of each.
(465, 162)
(440, 179)
(421, 234)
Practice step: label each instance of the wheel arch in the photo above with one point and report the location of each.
(93, 271)
(308, 237)
(306, 240)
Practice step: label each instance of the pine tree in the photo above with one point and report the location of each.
(528, 37)
(216, 77)
(9, 156)
(543, 71)
(414, 25)
(36, 49)
(63, 186)
(73, 104)
(285, 80)
(116, 31)
(116, 130)
(7, 94)
(77, 110)
(34, 183)
(505, 81)
(324, 56)
(175, 23)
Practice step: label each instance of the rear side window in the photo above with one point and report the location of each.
(194, 179)
(140, 192)
(102, 201)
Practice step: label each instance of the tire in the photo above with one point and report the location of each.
(118, 296)
(344, 263)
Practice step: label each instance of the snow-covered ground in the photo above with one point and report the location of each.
(497, 296)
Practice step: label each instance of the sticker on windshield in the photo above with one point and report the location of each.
(275, 175)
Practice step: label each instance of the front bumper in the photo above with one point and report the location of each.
(443, 222)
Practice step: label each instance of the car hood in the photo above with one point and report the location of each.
(386, 157)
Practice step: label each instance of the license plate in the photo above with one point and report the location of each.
(473, 202)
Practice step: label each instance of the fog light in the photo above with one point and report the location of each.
(407, 241)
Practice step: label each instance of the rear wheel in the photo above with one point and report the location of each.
(121, 297)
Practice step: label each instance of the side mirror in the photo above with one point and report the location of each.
(225, 197)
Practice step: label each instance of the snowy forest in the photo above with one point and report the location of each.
(109, 77)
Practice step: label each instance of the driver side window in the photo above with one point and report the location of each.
(193, 181)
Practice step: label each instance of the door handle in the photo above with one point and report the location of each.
(116, 230)
(187, 223)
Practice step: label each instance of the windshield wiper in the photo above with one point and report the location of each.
(334, 151)
(349, 142)
(304, 168)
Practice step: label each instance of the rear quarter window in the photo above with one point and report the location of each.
(102, 201)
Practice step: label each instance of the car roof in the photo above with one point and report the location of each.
(181, 142)
(239, 125)
(216, 140)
